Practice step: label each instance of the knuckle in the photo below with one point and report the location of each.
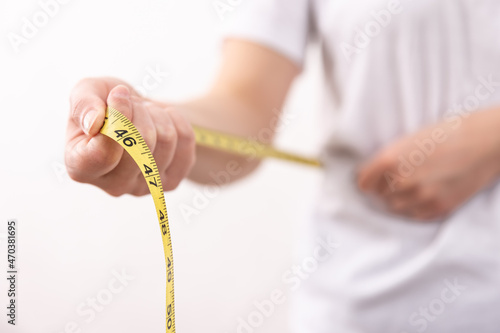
(442, 208)
(409, 185)
(189, 139)
(150, 136)
(387, 160)
(138, 192)
(186, 146)
(140, 187)
(175, 176)
(425, 194)
(426, 216)
(185, 132)
(75, 175)
(398, 205)
(117, 189)
(172, 183)
(187, 149)
(114, 192)
(188, 154)
(167, 134)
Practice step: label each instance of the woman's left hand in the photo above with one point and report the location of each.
(429, 174)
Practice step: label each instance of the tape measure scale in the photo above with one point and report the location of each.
(120, 129)
(245, 147)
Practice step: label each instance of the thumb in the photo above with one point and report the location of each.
(119, 98)
(87, 104)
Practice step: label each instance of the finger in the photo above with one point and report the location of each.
(87, 105)
(126, 177)
(402, 203)
(391, 185)
(411, 207)
(426, 212)
(371, 174)
(184, 156)
(144, 122)
(91, 157)
(166, 138)
(165, 145)
(88, 158)
(119, 98)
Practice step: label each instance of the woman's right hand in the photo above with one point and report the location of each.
(93, 158)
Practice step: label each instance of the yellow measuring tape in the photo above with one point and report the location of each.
(241, 146)
(120, 129)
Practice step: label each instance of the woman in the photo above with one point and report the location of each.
(411, 110)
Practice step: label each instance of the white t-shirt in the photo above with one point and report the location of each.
(391, 67)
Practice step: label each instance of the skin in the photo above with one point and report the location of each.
(252, 83)
(467, 161)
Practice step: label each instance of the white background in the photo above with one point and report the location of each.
(73, 236)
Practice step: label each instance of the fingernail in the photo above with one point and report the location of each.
(121, 93)
(88, 120)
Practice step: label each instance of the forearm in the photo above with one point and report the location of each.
(250, 87)
(232, 115)
(244, 100)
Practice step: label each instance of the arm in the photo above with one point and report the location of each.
(251, 84)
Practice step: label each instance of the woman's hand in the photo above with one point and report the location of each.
(94, 158)
(429, 174)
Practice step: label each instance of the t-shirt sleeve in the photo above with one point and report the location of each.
(282, 25)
